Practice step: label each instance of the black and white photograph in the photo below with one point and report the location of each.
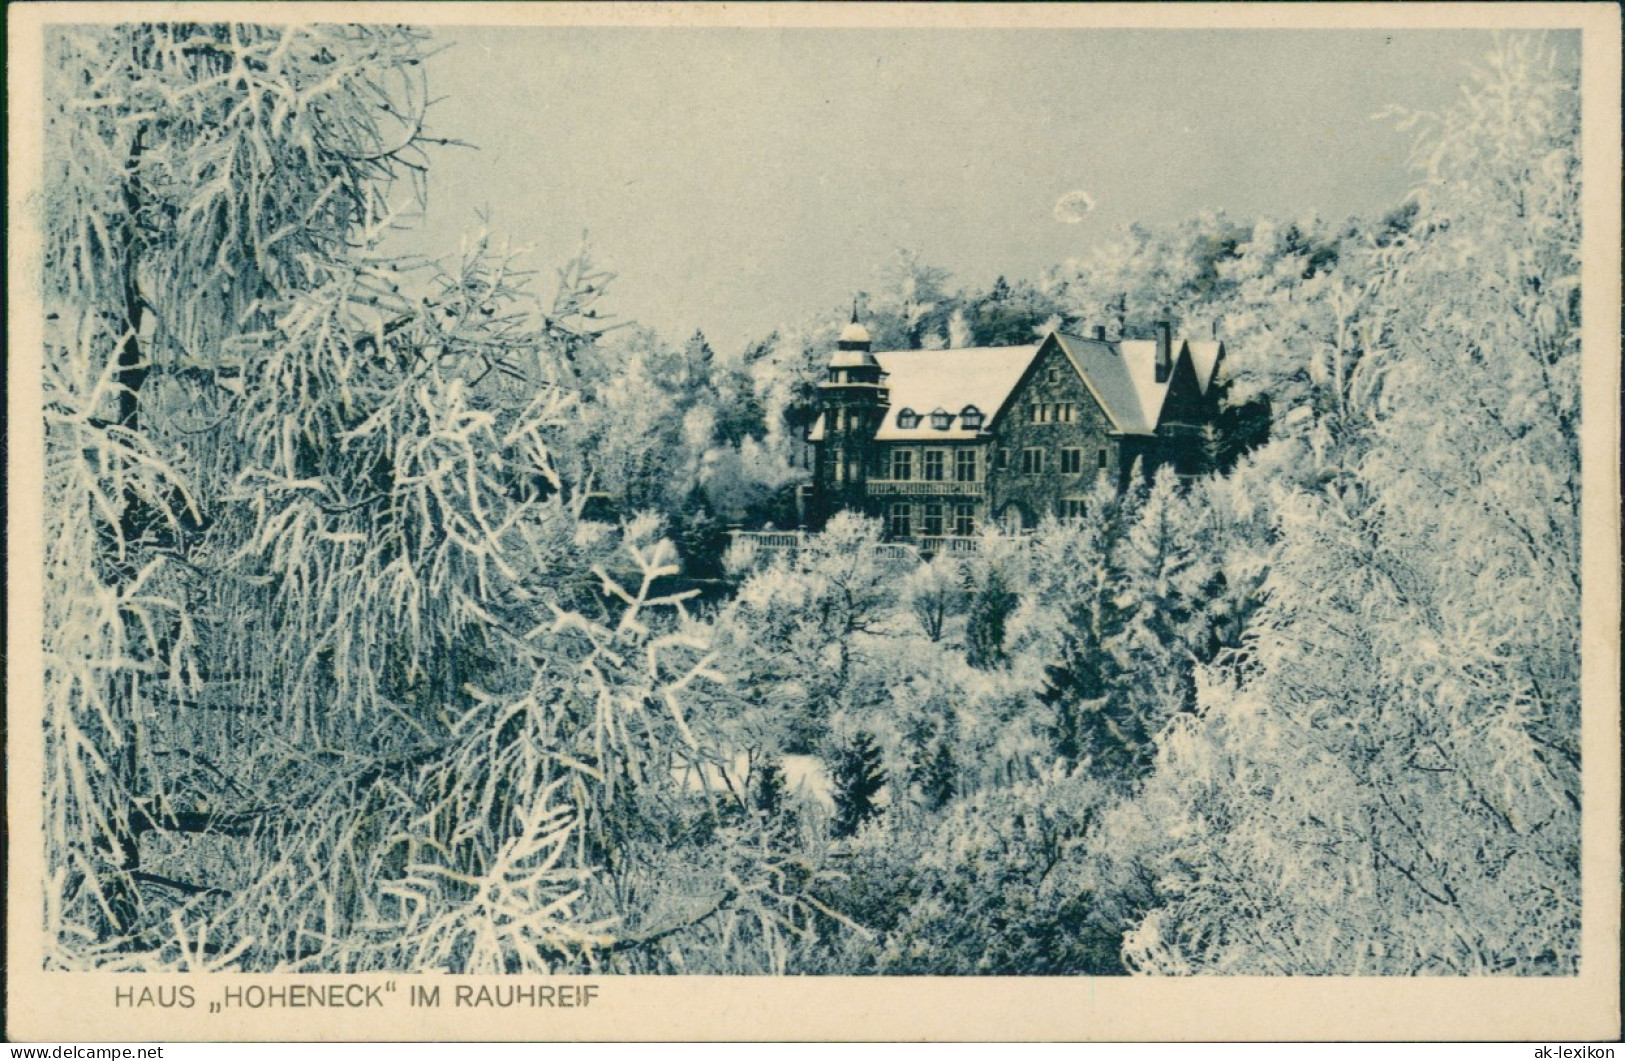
(563, 501)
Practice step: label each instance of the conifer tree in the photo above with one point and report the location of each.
(990, 607)
(769, 790)
(859, 777)
(939, 780)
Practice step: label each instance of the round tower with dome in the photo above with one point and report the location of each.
(854, 400)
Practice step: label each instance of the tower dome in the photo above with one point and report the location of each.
(852, 361)
(854, 337)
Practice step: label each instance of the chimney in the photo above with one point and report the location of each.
(1164, 351)
(1100, 333)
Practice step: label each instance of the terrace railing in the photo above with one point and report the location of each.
(915, 549)
(923, 488)
(947, 543)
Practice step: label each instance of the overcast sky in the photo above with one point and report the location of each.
(737, 179)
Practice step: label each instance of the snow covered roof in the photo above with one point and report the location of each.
(852, 359)
(924, 380)
(1121, 375)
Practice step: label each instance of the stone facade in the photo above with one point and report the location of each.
(1050, 443)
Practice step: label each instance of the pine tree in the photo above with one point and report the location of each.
(859, 777)
(939, 779)
(992, 605)
(769, 791)
(1096, 719)
(698, 362)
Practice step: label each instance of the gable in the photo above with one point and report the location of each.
(1183, 400)
(1097, 398)
(1140, 403)
(1122, 386)
(1205, 358)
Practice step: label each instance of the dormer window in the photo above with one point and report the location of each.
(908, 419)
(941, 418)
(970, 418)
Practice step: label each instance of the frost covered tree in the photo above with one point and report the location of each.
(202, 182)
(335, 678)
(994, 883)
(801, 631)
(1386, 778)
(1129, 602)
(935, 592)
(1010, 314)
(939, 776)
(910, 306)
(1076, 575)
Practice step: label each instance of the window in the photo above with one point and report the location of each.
(933, 520)
(1032, 461)
(941, 418)
(964, 520)
(1001, 460)
(1065, 412)
(1053, 375)
(902, 517)
(902, 464)
(1102, 458)
(908, 419)
(970, 418)
(1073, 508)
(1071, 461)
(965, 466)
(935, 462)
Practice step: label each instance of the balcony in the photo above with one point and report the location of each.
(924, 488)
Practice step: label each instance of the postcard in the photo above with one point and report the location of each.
(813, 521)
